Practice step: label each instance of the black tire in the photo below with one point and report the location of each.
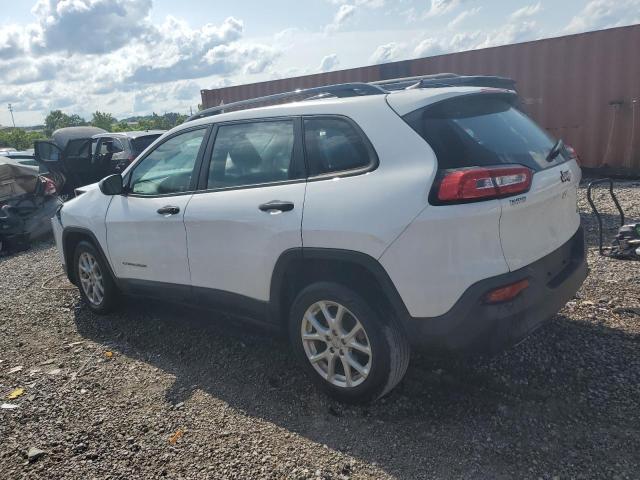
(110, 297)
(389, 347)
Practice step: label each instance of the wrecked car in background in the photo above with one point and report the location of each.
(28, 201)
(24, 157)
(67, 160)
(79, 156)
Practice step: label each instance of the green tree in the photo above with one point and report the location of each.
(55, 120)
(123, 127)
(76, 120)
(18, 138)
(103, 120)
(58, 119)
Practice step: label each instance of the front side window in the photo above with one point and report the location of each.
(168, 168)
(334, 145)
(251, 154)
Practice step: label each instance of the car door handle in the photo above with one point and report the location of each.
(276, 205)
(169, 210)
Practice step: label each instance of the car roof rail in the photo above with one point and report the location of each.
(341, 90)
(440, 80)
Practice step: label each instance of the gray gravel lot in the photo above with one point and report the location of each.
(564, 404)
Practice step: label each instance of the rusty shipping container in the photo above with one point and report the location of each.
(584, 88)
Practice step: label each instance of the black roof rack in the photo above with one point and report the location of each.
(340, 90)
(358, 89)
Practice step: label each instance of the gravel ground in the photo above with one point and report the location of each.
(156, 391)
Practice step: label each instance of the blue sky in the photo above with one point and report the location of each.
(137, 56)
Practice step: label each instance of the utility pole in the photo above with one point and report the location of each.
(11, 112)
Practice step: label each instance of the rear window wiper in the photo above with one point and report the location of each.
(555, 150)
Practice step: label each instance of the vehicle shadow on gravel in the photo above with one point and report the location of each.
(569, 394)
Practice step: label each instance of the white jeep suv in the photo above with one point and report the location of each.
(362, 221)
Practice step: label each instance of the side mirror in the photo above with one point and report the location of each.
(111, 185)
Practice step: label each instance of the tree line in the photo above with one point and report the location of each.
(22, 139)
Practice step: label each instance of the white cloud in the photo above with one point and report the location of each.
(462, 16)
(363, 3)
(328, 63)
(13, 42)
(88, 26)
(526, 12)
(598, 14)
(441, 7)
(182, 53)
(124, 61)
(389, 52)
(344, 14)
(429, 47)
(512, 32)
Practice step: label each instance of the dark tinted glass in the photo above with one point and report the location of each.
(334, 145)
(252, 153)
(482, 130)
(140, 143)
(78, 148)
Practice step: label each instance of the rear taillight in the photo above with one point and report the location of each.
(483, 183)
(49, 186)
(571, 152)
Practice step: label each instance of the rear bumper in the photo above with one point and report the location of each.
(473, 326)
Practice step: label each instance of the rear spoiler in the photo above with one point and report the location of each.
(441, 80)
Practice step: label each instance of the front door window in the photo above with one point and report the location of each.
(169, 168)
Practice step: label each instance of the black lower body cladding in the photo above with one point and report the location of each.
(472, 326)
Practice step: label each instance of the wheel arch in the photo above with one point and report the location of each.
(71, 237)
(299, 267)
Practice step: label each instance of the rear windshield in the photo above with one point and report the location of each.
(482, 130)
(140, 143)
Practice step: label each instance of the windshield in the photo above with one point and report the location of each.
(483, 130)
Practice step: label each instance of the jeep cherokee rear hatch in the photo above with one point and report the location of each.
(487, 148)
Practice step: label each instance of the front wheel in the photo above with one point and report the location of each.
(345, 345)
(93, 279)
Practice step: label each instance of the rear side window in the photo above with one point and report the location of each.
(140, 143)
(335, 145)
(252, 153)
(482, 130)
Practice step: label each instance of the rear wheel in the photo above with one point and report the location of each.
(345, 345)
(93, 278)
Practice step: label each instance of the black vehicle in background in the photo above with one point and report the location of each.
(78, 156)
(120, 149)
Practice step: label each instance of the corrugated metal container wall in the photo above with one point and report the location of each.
(583, 88)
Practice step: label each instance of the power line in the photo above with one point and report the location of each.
(11, 112)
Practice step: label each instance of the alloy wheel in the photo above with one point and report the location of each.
(336, 344)
(91, 278)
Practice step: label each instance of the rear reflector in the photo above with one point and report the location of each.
(504, 294)
(483, 183)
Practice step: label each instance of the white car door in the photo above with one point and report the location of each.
(145, 228)
(248, 214)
